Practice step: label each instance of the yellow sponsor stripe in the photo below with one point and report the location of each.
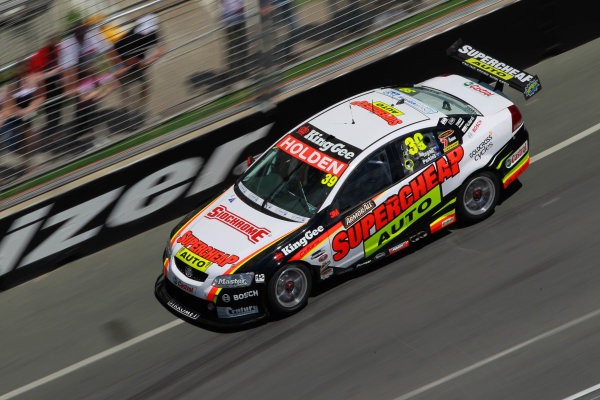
(446, 205)
(448, 214)
(516, 168)
(489, 69)
(501, 161)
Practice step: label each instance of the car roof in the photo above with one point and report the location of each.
(368, 117)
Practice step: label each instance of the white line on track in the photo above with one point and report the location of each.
(565, 143)
(415, 392)
(92, 359)
(497, 356)
(583, 393)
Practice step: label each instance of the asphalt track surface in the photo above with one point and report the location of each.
(505, 309)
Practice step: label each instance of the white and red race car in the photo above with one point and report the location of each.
(355, 183)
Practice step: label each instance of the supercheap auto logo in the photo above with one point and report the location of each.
(382, 110)
(203, 250)
(399, 211)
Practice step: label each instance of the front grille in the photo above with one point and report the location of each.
(190, 272)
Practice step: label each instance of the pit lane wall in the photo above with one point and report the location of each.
(171, 183)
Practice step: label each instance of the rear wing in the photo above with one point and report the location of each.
(492, 68)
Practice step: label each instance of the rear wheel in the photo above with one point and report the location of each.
(289, 288)
(478, 196)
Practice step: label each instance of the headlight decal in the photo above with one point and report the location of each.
(214, 291)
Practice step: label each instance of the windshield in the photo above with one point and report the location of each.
(286, 185)
(435, 99)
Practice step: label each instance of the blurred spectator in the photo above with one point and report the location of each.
(25, 96)
(5, 129)
(138, 49)
(82, 45)
(46, 61)
(285, 14)
(237, 37)
(92, 87)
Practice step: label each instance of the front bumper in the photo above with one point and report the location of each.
(204, 313)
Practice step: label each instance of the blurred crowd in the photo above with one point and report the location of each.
(80, 68)
(94, 80)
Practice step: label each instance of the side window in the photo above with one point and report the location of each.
(371, 177)
(417, 150)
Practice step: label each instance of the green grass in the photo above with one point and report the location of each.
(242, 95)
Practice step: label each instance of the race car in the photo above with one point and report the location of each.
(358, 182)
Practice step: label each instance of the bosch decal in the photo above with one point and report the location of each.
(399, 211)
(251, 231)
(246, 295)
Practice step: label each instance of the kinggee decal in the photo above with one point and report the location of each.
(328, 144)
(399, 211)
(303, 241)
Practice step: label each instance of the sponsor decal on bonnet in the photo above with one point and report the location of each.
(203, 250)
(247, 228)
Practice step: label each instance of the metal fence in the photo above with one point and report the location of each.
(214, 53)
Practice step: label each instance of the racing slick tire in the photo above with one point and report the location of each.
(288, 289)
(478, 196)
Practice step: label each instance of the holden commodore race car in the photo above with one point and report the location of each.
(358, 182)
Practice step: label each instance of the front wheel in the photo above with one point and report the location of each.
(478, 196)
(289, 288)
